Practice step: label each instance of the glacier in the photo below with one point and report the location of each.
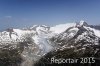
(39, 40)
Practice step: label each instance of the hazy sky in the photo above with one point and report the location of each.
(21, 13)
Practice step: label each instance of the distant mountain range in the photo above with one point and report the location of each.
(95, 26)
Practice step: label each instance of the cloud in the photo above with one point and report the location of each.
(8, 16)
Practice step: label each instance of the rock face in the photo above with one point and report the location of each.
(36, 45)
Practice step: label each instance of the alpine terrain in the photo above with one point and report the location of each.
(35, 46)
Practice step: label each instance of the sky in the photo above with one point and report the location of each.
(24, 13)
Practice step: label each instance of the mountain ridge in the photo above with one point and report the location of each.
(36, 42)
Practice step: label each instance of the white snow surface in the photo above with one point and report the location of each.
(21, 32)
(96, 32)
(61, 28)
(43, 44)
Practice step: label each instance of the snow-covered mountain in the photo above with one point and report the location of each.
(33, 43)
(95, 26)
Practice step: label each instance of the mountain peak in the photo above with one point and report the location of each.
(83, 23)
(39, 40)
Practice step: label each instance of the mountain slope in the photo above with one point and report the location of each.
(71, 40)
